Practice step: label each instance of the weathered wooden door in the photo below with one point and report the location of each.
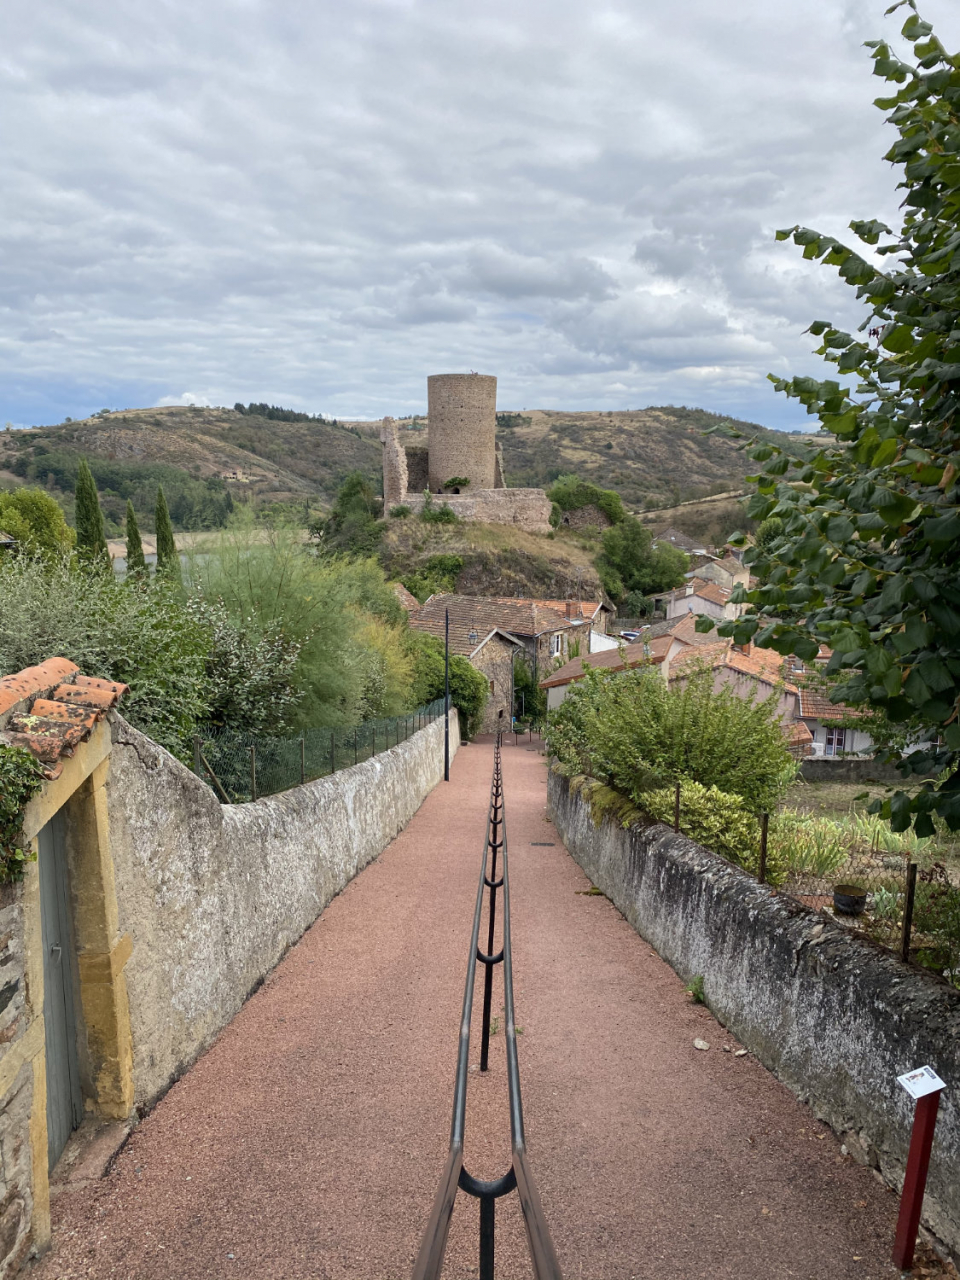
(64, 1099)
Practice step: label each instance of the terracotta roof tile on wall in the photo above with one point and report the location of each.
(48, 710)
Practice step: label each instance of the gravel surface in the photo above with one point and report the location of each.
(309, 1140)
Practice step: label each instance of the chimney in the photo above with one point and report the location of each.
(573, 609)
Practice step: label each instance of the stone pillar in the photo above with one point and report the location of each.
(462, 409)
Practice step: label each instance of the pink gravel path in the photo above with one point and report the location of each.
(308, 1141)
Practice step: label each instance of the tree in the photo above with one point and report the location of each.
(35, 521)
(168, 560)
(136, 562)
(91, 543)
(869, 559)
(353, 525)
(630, 562)
(468, 686)
(570, 493)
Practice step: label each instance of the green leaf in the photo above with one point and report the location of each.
(943, 529)
(840, 529)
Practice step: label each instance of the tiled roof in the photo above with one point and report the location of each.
(814, 705)
(610, 659)
(483, 614)
(710, 591)
(683, 628)
(761, 664)
(51, 708)
(407, 599)
(587, 609)
(465, 635)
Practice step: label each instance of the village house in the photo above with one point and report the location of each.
(699, 596)
(490, 633)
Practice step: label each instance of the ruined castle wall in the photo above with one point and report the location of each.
(525, 508)
(462, 409)
(418, 468)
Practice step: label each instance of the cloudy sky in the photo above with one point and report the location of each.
(319, 204)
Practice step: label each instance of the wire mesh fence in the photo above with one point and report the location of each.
(883, 884)
(243, 766)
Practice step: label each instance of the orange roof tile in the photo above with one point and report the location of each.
(49, 709)
(33, 680)
(761, 664)
(815, 705)
(653, 651)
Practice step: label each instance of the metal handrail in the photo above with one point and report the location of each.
(429, 1260)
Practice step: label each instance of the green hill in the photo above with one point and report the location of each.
(209, 459)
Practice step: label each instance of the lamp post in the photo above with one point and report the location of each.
(446, 695)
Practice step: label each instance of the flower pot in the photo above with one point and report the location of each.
(849, 899)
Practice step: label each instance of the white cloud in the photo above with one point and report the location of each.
(322, 204)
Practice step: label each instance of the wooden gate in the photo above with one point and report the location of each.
(64, 1098)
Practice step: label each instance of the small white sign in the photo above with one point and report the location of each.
(921, 1082)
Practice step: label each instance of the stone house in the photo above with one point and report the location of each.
(597, 612)
(544, 636)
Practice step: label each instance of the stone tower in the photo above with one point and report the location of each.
(462, 411)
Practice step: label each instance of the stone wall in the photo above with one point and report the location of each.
(418, 469)
(213, 895)
(588, 517)
(834, 1017)
(526, 508)
(495, 661)
(838, 769)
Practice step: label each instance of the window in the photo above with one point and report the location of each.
(556, 643)
(835, 741)
(491, 688)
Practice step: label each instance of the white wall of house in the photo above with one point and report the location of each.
(827, 742)
(599, 642)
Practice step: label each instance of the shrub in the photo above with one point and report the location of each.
(631, 730)
(468, 687)
(570, 493)
(437, 515)
(134, 632)
(400, 512)
(36, 521)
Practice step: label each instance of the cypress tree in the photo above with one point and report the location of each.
(136, 563)
(91, 543)
(168, 562)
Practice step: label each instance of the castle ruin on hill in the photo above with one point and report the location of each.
(462, 463)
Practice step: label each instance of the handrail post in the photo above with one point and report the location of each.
(487, 1223)
(253, 773)
(303, 759)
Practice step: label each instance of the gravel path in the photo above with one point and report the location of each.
(308, 1141)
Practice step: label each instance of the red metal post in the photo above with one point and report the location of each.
(915, 1182)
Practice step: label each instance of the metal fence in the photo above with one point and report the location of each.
(876, 882)
(244, 766)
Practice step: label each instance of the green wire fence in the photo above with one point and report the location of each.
(245, 766)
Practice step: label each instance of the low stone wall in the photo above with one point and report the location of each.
(853, 769)
(835, 1018)
(213, 895)
(526, 508)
